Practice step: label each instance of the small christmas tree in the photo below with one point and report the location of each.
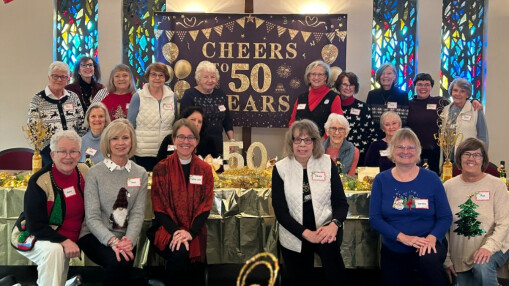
(468, 225)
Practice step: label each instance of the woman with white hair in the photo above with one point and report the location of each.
(319, 101)
(378, 154)
(212, 99)
(96, 119)
(58, 108)
(339, 149)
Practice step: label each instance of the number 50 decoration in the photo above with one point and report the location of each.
(230, 157)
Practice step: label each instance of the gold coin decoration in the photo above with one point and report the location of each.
(180, 87)
(182, 69)
(170, 70)
(170, 52)
(329, 53)
(334, 73)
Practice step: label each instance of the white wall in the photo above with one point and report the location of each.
(26, 52)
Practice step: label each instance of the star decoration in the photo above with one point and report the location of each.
(250, 18)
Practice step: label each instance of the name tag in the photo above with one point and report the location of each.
(196, 179)
(170, 148)
(355, 111)
(326, 101)
(68, 106)
(222, 108)
(134, 182)
(69, 191)
(301, 106)
(482, 196)
(127, 106)
(90, 151)
(466, 117)
(384, 153)
(318, 176)
(431, 107)
(392, 105)
(421, 203)
(167, 106)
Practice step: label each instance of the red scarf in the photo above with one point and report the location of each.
(182, 204)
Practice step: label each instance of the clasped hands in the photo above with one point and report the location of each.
(122, 247)
(180, 237)
(423, 245)
(324, 234)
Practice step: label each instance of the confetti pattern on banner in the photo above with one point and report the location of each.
(462, 44)
(76, 30)
(394, 40)
(138, 35)
(261, 58)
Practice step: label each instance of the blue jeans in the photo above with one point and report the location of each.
(483, 274)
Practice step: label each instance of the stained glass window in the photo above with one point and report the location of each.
(75, 30)
(394, 40)
(462, 44)
(138, 34)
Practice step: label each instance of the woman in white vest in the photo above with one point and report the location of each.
(460, 113)
(310, 206)
(152, 111)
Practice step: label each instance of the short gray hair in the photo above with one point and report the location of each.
(94, 106)
(58, 66)
(463, 84)
(314, 64)
(404, 134)
(205, 66)
(383, 67)
(337, 118)
(388, 114)
(67, 134)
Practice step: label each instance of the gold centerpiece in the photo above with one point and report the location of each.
(36, 133)
(447, 138)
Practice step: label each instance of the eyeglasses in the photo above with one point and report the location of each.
(403, 147)
(317, 74)
(307, 140)
(346, 85)
(87, 65)
(156, 75)
(423, 85)
(59, 77)
(336, 129)
(73, 154)
(182, 138)
(467, 155)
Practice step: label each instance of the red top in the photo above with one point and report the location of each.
(315, 96)
(117, 104)
(348, 101)
(74, 203)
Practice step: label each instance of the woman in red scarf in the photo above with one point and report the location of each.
(182, 193)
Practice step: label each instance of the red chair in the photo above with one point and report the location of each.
(16, 159)
(355, 161)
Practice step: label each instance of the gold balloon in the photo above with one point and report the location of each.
(334, 72)
(170, 70)
(180, 87)
(329, 53)
(170, 52)
(182, 69)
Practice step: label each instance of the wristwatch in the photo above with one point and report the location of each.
(338, 223)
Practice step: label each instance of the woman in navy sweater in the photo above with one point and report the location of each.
(410, 210)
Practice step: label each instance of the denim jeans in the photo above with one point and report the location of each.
(483, 274)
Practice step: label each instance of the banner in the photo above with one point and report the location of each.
(261, 58)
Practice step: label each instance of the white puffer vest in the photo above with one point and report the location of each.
(154, 121)
(291, 172)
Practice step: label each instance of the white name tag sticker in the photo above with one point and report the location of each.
(431, 106)
(222, 108)
(421, 203)
(69, 191)
(355, 111)
(196, 179)
(482, 196)
(392, 105)
(301, 106)
(167, 106)
(326, 101)
(134, 182)
(318, 176)
(90, 151)
(384, 153)
(170, 148)
(68, 106)
(466, 117)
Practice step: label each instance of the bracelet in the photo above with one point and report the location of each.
(113, 242)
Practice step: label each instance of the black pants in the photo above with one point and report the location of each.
(398, 269)
(299, 266)
(116, 273)
(146, 162)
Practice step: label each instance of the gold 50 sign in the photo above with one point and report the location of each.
(239, 160)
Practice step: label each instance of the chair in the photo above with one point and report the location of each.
(355, 161)
(16, 159)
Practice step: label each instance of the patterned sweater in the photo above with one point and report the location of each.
(362, 124)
